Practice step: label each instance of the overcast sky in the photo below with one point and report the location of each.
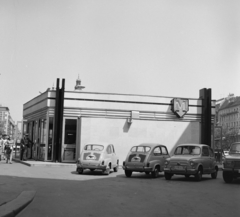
(164, 48)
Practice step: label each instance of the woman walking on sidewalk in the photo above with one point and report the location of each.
(8, 149)
(1, 149)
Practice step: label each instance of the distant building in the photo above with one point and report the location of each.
(78, 86)
(8, 123)
(229, 112)
(228, 118)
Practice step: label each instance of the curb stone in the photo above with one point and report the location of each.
(13, 207)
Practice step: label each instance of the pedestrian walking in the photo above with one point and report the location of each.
(4, 148)
(1, 149)
(25, 144)
(8, 151)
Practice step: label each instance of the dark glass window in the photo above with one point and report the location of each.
(70, 131)
(50, 138)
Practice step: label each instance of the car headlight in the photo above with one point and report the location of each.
(166, 163)
(192, 163)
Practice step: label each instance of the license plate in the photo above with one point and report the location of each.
(178, 168)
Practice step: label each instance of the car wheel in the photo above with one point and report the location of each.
(155, 173)
(92, 170)
(187, 176)
(198, 175)
(147, 173)
(214, 174)
(107, 171)
(115, 169)
(80, 170)
(128, 173)
(168, 176)
(227, 177)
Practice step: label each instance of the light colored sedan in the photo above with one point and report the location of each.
(146, 157)
(98, 156)
(191, 159)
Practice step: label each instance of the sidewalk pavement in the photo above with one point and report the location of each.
(34, 163)
(15, 206)
(12, 207)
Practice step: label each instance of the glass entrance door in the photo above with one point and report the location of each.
(69, 140)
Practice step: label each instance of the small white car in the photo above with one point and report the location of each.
(146, 157)
(98, 156)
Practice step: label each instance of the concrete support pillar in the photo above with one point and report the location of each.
(206, 96)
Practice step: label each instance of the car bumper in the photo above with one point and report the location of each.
(96, 167)
(234, 170)
(138, 169)
(186, 171)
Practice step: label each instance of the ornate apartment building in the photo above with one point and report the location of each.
(8, 123)
(228, 119)
(229, 112)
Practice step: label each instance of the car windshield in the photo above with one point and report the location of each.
(94, 147)
(235, 148)
(142, 149)
(187, 150)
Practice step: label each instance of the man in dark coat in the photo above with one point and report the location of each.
(25, 144)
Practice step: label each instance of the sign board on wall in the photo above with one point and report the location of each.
(180, 107)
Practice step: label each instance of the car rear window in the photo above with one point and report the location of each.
(141, 149)
(187, 150)
(93, 147)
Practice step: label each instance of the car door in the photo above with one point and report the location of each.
(205, 159)
(164, 156)
(109, 154)
(212, 160)
(114, 157)
(156, 156)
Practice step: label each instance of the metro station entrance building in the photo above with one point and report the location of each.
(61, 122)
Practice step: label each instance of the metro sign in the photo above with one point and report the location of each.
(180, 107)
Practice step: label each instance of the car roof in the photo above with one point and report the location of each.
(98, 143)
(192, 144)
(150, 144)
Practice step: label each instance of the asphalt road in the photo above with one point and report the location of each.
(63, 192)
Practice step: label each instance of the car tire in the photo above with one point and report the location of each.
(107, 171)
(198, 175)
(80, 170)
(187, 176)
(128, 173)
(115, 169)
(155, 172)
(214, 174)
(147, 173)
(227, 177)
(168, 176)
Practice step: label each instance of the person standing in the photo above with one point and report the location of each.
(1, 149)
(4, 148)
(25, 144)
(8, 150)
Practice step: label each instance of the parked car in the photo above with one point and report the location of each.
(146, 157)
(98, 156)
(231, 163)
(191, 159)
